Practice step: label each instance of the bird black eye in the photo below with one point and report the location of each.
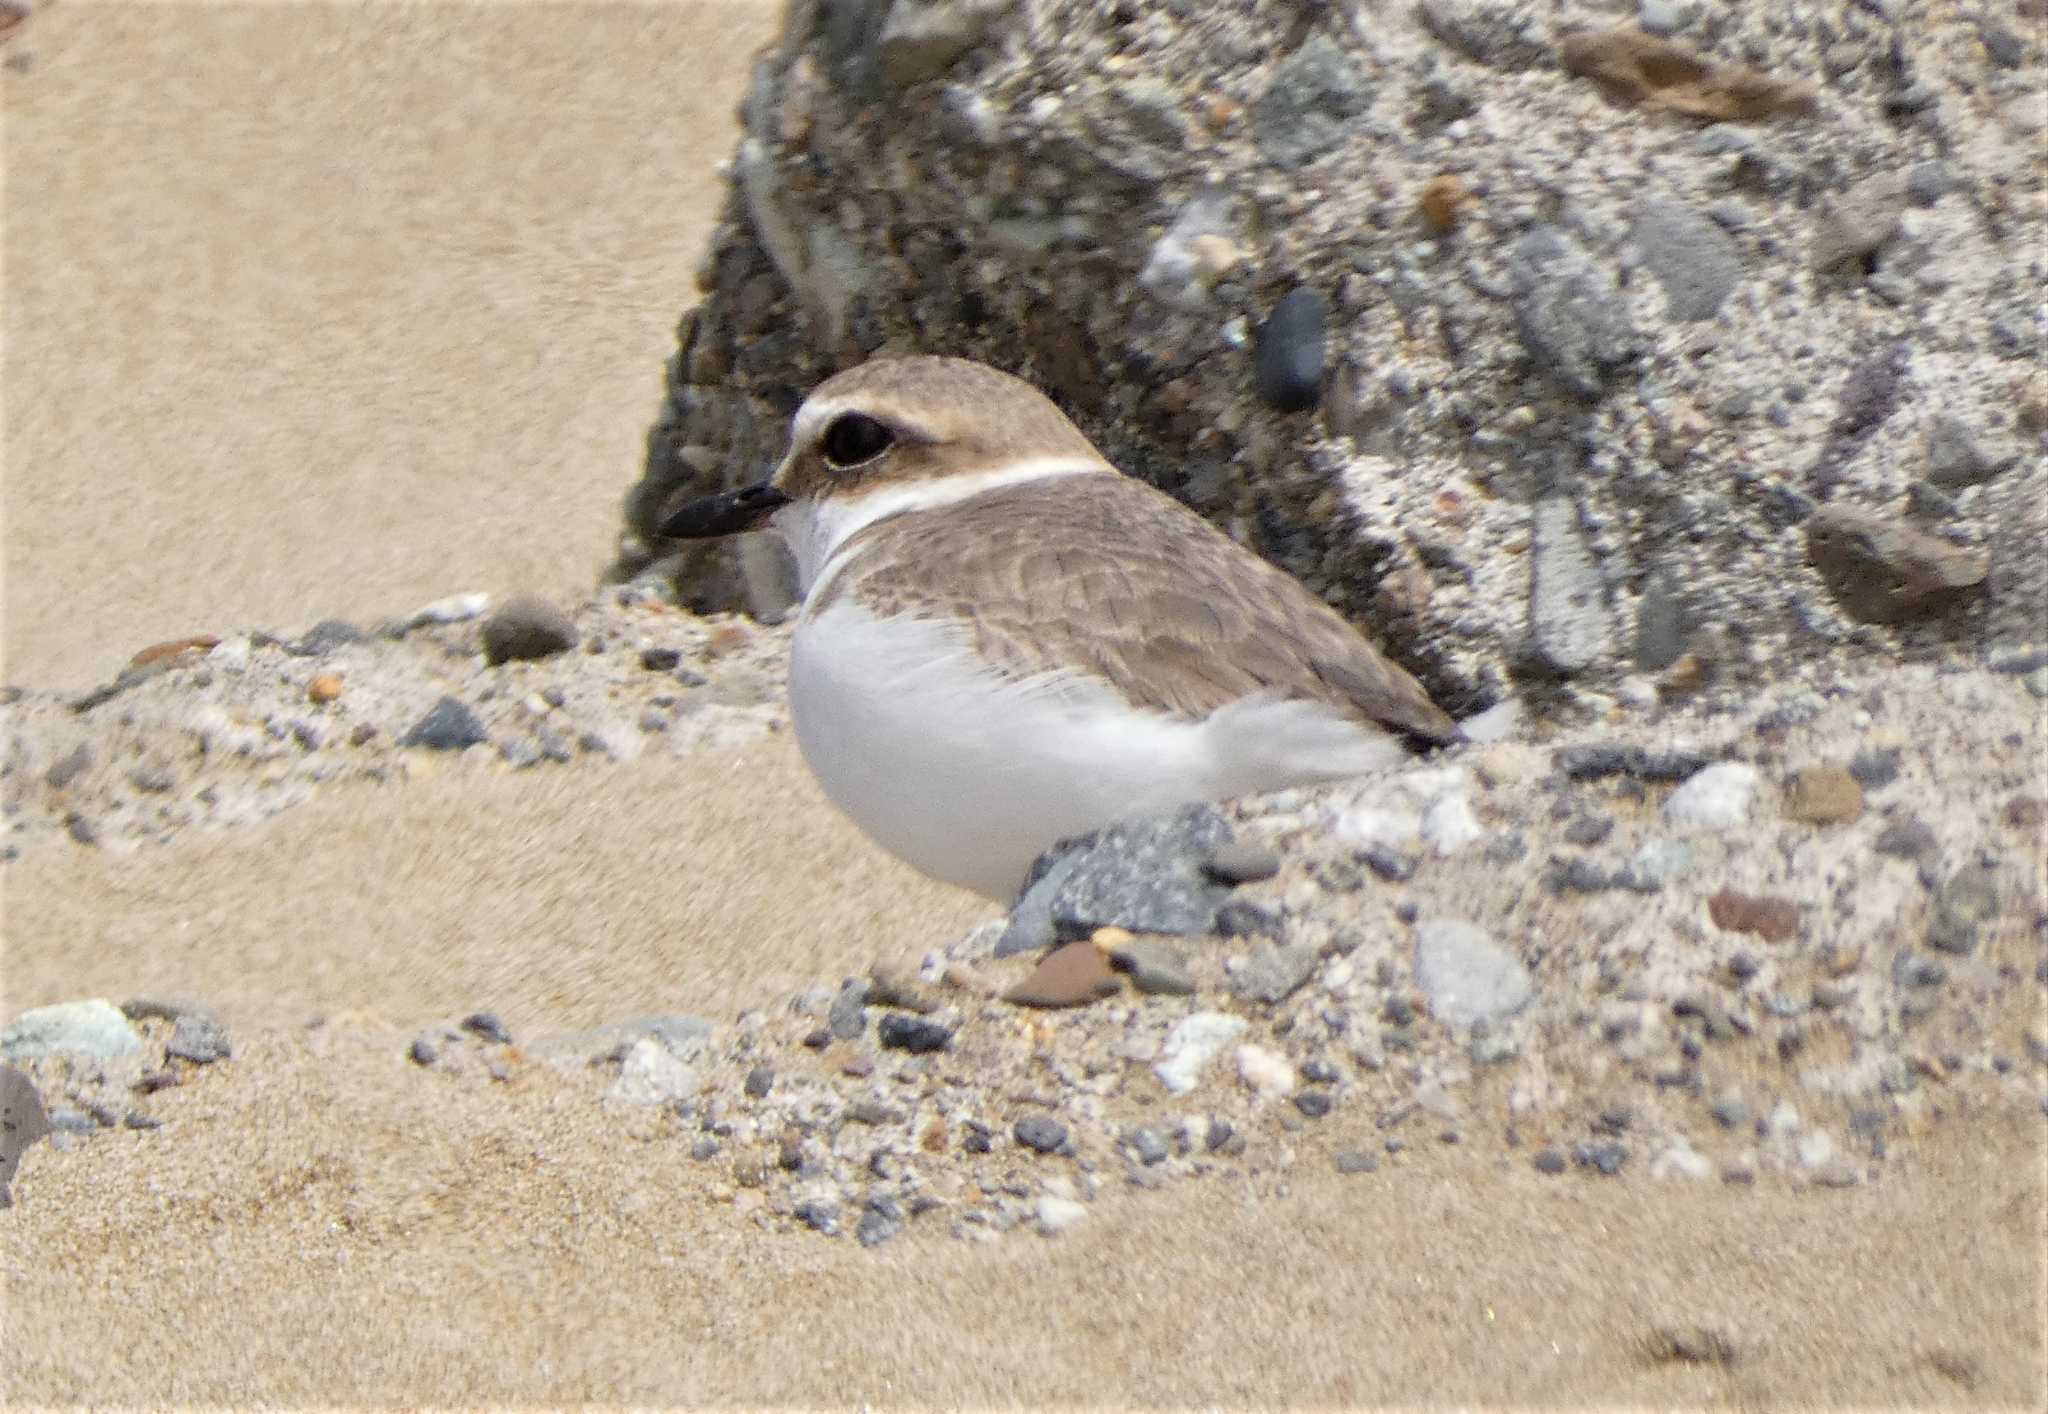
(852, 438)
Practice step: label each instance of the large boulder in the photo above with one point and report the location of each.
(1607, 315)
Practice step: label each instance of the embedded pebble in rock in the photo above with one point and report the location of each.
(1266, 1073)
(200, 1040)
(1827, 794)
(1775, 920)
(1271, 975)
(70, 766)
(1042, 1134)
(23, 1121)
(1954, 460)
(920, 39)
(1886, 572)
(93, 1029)
(1963, 904)
(913, 1034)
(1287, 357)
(1147, 1146)
(1056, 1215)
(1859, 222)
(651, 1075)
(1570, 312)
(1154, 967)
(848, 1014)
(1694, 260)
(760, 1080)
(1466, 975)
(1719, 797)
(1448, 825)
(1313, 1103)
(1910, 838)
(1309, 103)
(526, 628)
(1242, 862)
(1571, 627)
(1073, 974)
(1192, 1044)
(1143, 875)
(450, 725)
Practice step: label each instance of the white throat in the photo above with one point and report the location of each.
(815, 529)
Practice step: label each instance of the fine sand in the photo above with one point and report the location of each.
(332, 310)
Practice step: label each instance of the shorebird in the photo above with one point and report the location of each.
(1005, 642)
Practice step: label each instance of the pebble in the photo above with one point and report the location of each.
(1287, 352)
(449, 725)
(1719, 797)
(1192, 1044)
(881, 1219)
(1549, 1161)
(1448, 825)
(1144, 875)
(454, 609)
(1310, 101)
(1147, 1145)
(486, 1026)
(848, 1016)
(1040, 1133)
(199, 1039)
(422, 1052)
(1571, 627)
(1884, 571)
(1466, 975)
(1357, 1161)
(1154, 967)
(1242, 862)
(1694, 260)
(1270, 975)
(70, 766)
(1266, 1073)
(1056, 1215)
(1074, 974)
(1826, 794)
(1954, 460)
(23, 1121)
(760, 1080)
(650, 1074)
(914, 1034)
(1242, 918)
(1314, 1103)
(821, 1215)
(1910, 838)
(1775, 920)
(1570, 313)
(526, 628)
(1962, 906)
(1875, 767)
(95, 1029)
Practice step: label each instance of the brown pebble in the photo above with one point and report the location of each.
(1640, 68)
(1073, 975)
(2026, 812)
(1841, 959)
(725, 639)
(324, 688)
(1886, 572)
(1443, 198)
(1775, 920)
(173, 648)
(1824, 795)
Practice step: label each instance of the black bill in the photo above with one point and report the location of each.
(727, 513)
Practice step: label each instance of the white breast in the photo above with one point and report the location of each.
(968, 777)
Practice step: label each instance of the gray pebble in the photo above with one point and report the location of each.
(422, 1051)
(1241, 862)
(485, 1025)
(1907, 839)
(81, 829)
(759, 1081)
(1693, 259)
(70, 766)
(1876, 767)
(1147, 1145)
(1607, 1157)
(1357, 1161)
(1309, 103)
(199, 1039)
(1570, 625)
(660, 660)
(450, 725)
(880, 1220)
(1313, 1103)
(1040, 1133)
(1287, 352)
(1241, 918)
(1154, 967)
(898, 1032)
(848, 1016)
(1143, 875)
(1271, 975)
(1549, 1161)
(1388, 863)
(1962, 906)
(1571, 315)
(704, 1149)
(821, 1215)
(1466, 975)
(526, 627)
(153, 777)
(326, 636)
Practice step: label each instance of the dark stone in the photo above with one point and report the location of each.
(326, 636)
(821, 1215)
(1660, 624)
(450, 725)
(1907, 839)
(898, 1032)
(1287, 352)
(1241, 918)
(1597, 762)
(660, 660)
(1040, 1133)
(1608, 1157)
(1313, 1103)
(1694, 260)
(1147, 1145)
(526, 628)
(1570, 312)
(1143, 875)
(70, 766)
(422, 1051)
(1309, 103)
(487, 1026)
(1241, 862)
(199, 1039)
(759, 1081)
(1549, 1161)
(880, 1220)
(848, 1016)
(1589, 829)
(1389, 863)
(1875, 767)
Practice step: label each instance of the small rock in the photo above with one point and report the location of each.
(1192, 1044)
(486, 1026)
(1570, 626)
(1549, 1161)
(526, 628)
(1142, 875)
(848, 1016)
(1826, 794)
(1241, 918)
(1775, 920)
(820, 1215)
(422, 1052)
(1448, 825)
(1270, 975)
(324, 688)
(921, 39)
(660, 660)
(760, 1080)
(1954, 459)
(95, 1029)
(1571, 314)
(880, 1220)
(1907, 839)
(199, 1039)
(1466, 975)
(23, 1121)
(70, 766)
(1694, 260)
(1875, 768)
(1357, 1161)
(1313, 1103)
(1267, 1073)
(1040, 1133)
(1073, 974)
(1056, 1215)
(1287, 358)
(1962, 906)
(454, 609)
(898, 1032)
(1241, 862)
(651, 1074)
(1309, 103)
(1147, 1145)
(1154, 968)
(450, 725)
(326, 636)
(1887, 572)
(1720, 797)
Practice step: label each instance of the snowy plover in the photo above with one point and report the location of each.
(1004, 641)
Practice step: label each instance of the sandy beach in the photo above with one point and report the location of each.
(321, 311)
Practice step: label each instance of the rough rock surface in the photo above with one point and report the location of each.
(1630, 317)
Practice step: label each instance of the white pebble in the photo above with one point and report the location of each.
(1056, 1215)
(1268, 1074)
(1681, 1160)
(1449, 825)
(1815, 1148)
(1192, 1044)
(1719, 797)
